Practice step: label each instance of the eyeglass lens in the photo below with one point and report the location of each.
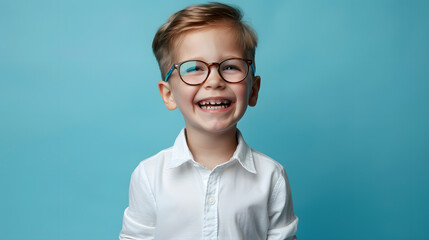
(231, 70)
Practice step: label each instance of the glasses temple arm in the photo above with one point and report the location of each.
(253, 68)
(169, 73)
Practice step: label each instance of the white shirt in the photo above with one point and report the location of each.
(173, 197)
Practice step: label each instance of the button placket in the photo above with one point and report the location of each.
(210, 225)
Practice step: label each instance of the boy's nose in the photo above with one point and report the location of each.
(214, 80)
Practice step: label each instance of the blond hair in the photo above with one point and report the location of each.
(197, 17)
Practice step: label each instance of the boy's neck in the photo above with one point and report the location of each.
(211, 149)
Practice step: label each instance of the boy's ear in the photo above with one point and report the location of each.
(253, 97)
(167, 95)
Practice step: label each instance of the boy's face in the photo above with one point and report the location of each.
(210, 44)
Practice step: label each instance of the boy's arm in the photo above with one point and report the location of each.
(139, 217)
(283, 222)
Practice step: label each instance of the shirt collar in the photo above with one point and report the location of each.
(181, 153)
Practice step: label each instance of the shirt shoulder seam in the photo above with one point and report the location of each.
(276, 188)
(269, 159)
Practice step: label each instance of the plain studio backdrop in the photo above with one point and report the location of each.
(343, 106)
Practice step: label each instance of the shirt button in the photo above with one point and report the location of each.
(212, 200)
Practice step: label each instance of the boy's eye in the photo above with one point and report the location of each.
(231, 68)
(193, 68)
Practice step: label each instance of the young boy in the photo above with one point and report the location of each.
(210, 184)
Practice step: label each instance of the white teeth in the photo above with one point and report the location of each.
(213, 102)
(213, 107)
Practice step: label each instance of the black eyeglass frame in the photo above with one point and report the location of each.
(177, 66)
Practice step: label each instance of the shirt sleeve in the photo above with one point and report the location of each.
(283, 222)
(139, 217)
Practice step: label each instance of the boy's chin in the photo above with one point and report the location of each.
(214, 129)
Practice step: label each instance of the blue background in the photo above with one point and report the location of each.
(343, 106)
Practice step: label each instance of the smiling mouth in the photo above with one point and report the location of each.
(214, 104)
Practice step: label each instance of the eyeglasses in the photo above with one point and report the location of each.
(195, 72)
